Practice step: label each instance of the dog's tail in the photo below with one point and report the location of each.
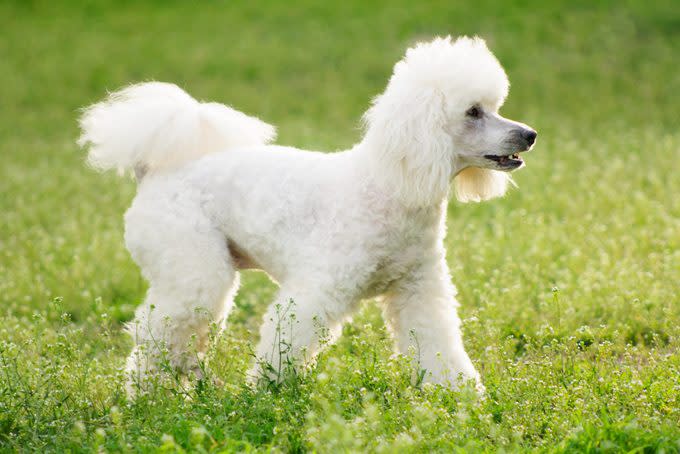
(157, 126)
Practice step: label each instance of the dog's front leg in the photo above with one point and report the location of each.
(295, 327)
(421, 312)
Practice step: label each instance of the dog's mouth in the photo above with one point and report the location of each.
(506, 162)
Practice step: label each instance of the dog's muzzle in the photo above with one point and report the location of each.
(521, 140)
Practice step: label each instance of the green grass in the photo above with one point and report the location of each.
(569, 286)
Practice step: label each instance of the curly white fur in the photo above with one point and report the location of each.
(330, 228)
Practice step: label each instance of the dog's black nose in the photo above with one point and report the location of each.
(530, 136)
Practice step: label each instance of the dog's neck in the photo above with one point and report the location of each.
(415, 187)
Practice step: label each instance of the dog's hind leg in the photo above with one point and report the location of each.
(192, 282)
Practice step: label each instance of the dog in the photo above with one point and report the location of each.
(215, 196)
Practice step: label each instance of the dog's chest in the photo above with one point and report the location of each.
(406, 241)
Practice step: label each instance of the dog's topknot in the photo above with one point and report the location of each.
(465, 67)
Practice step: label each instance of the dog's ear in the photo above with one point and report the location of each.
(475, 184)
(405, 130)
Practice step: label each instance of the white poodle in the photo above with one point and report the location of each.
(331, 228)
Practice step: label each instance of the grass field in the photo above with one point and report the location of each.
(569, 286)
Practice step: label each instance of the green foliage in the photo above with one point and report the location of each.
(569, 286)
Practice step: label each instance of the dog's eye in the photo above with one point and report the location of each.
(474, 112)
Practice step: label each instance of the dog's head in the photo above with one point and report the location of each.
(438, 119)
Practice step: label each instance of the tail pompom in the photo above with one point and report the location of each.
(158, 126)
